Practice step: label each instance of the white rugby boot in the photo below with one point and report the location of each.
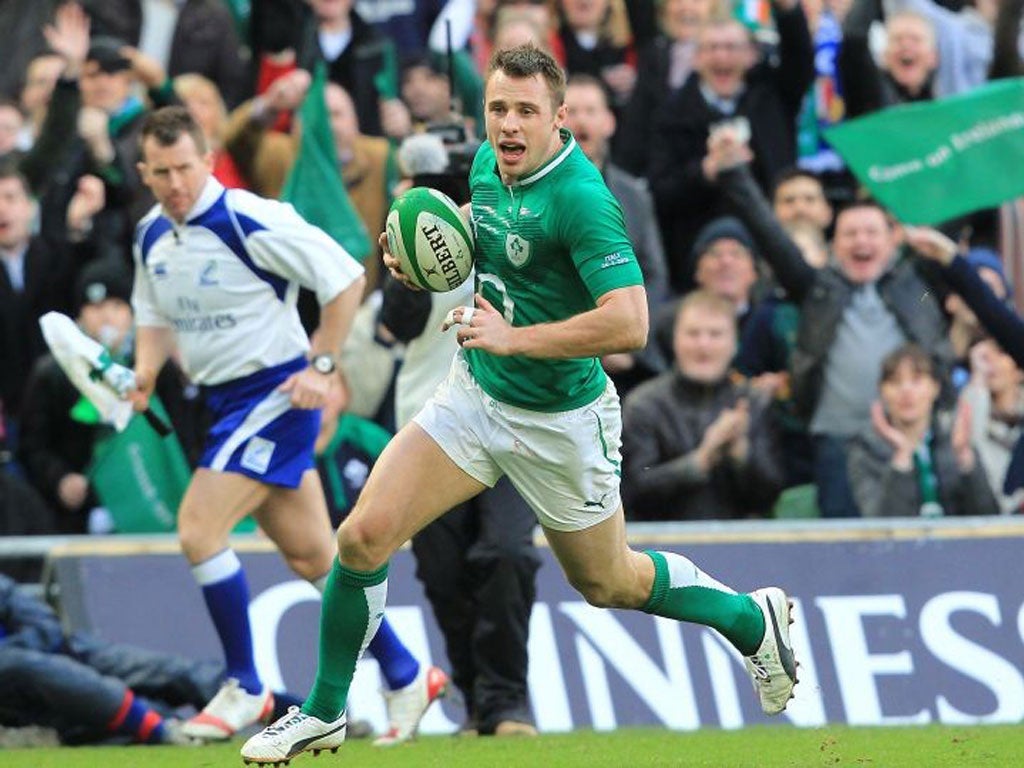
(231, 710)
(773, 666)
(291, 735)
(407, 705)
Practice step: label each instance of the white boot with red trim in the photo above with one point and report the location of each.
(407, 705)
(231, 710)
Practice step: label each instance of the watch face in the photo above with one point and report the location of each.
(323, 364)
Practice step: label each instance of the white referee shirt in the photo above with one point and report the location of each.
(226, 281)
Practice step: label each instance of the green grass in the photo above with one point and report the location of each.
(760, 747)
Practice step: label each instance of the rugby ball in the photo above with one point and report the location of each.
(430, 238)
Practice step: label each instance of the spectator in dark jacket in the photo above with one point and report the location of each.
(360, 60)
(663, 64)
(61, 429)
(100, 118)
(59, 433)
(729, 84)
(596, 41)
(907, 463)
(695, 444)
(852, 314)
(34, 279)
(202, 39)
(801, 217)
(908, 66)
(87, 689)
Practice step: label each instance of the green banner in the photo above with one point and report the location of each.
(139, 476)
(933, 161)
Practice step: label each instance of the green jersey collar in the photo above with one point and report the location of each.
(569, 144)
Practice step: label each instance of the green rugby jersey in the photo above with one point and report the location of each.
(547, 247)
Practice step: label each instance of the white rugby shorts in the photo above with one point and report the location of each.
(566, 465)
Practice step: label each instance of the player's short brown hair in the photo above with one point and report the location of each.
(167, 125)
(526, 61)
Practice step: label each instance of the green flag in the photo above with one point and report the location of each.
(139, 476)
(933, 161)
(386, 79)
(314, 185)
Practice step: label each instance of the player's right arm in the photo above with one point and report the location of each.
(618, 323)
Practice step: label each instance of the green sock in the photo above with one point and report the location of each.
(352, 608)
(682, 591)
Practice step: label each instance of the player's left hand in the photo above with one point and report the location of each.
(308, 388)
(394, 266)
(481, 327)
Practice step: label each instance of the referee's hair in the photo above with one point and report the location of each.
(528, 60)
(168, 124)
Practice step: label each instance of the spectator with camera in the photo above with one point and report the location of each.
(197, 36)
(731, 90)
(663, 66)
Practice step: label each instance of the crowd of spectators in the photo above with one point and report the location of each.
(796, 336)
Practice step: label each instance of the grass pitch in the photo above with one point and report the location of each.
(758, 747)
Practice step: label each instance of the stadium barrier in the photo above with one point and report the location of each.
(899, 622)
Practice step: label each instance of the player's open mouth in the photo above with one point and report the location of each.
(511, 151)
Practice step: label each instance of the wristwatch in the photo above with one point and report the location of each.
(323, 364)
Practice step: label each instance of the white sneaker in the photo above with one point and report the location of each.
(773, 666)
(291, 735)
(407, 705)
(232, 709)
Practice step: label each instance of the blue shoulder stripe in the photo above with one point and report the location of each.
(153, 232)
(225, 225)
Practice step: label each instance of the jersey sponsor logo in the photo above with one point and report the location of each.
(517, 249)
(221, 322)
(208, 274)
(614, 260)
(257, 454)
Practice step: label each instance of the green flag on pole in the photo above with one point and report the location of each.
(933, 161)
(314, 185)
